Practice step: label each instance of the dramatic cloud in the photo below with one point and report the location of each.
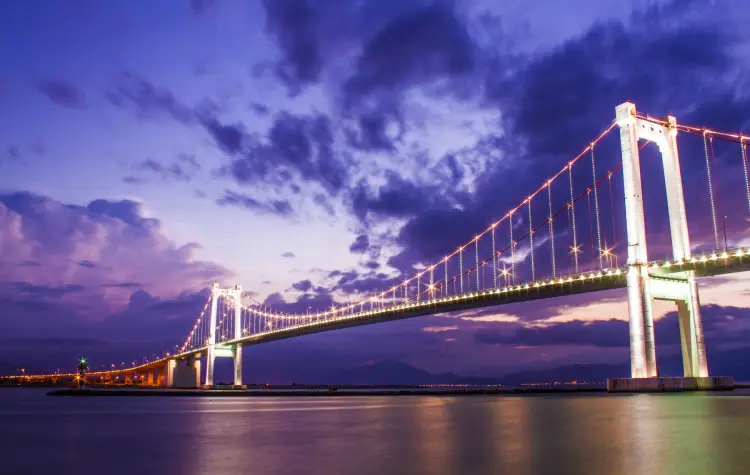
(62, 93)
(298, 147)
(275, 207)
(181, 169)
(557, 100)
(148, 102)
(360, 245)
(99, 251)
(395, 44)
(303, 286)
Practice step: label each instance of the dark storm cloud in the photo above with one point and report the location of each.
(426, 44)
(559, 100)
(294, 24)
(398, 44)
(397, 198)
(181, 169)
(360, 245)
(303, 285)
(148, 101)
(371, 133)
(62, 93)
(297, 147)
(564, 95)
(275, 207)
(231, 138)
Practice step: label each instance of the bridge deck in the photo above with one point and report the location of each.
(704, 265)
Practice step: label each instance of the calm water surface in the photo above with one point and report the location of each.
(582, 434)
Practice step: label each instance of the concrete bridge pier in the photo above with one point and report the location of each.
(166, 373)
(186, 373)
(237, 356)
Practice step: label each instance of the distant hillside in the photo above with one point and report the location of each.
(725, 363)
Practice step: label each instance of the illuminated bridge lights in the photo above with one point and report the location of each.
(334, 316)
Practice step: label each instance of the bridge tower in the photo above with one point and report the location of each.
(213, 350)
(679, 287)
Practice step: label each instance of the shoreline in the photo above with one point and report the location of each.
(341, 393)
(309, 393)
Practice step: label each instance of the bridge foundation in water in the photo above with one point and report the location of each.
(679, 287)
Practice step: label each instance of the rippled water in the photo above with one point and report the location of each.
(581, 434)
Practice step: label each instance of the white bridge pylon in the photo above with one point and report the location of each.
(235, 351)
(679, 287)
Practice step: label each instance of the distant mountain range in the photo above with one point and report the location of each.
(725, 363)
(722, 363)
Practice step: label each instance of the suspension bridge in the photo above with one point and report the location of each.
(564, 238)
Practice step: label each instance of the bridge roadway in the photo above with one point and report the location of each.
(704, 265)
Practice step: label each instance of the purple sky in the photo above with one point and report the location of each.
(314, 151)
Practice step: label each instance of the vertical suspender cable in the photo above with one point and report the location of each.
(710, 190)
(512, 251)
(551, 228)
(612, 209)
(419, 287)
(573, 214)
(744, 167)
(445, 283)
(531, 243)
(461, 267)
(476, 254)
(494, 254)
(432, 282)
(596, 208)
(718, 201)
(591, 227)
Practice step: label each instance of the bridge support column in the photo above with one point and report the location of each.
(211, 350)
(642, 346)
(166, 374)
(679, 287)
(237, 353)
(683, 290)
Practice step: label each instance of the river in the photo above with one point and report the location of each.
(566, 434)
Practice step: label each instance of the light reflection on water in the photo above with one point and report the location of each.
(582, 434)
